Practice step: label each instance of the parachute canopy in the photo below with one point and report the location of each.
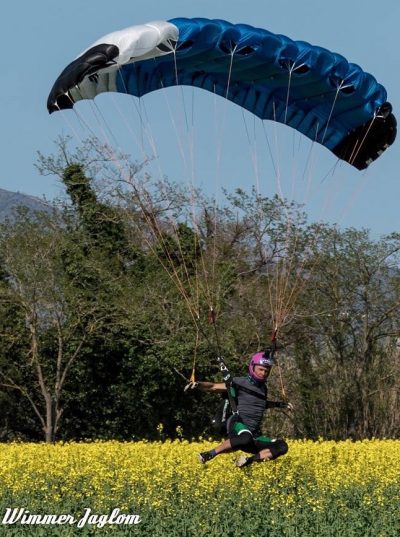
(307, 87)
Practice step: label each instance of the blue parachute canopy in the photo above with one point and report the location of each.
(309, 88)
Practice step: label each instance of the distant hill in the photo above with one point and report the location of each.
(9, 201)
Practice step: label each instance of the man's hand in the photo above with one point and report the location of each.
(191, 386)
(289, 407)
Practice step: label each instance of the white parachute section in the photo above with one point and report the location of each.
(136, 43)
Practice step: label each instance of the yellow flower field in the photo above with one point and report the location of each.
(319, 488)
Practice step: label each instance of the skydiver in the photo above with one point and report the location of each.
(244, 428)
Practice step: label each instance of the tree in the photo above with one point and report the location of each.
(59, 316)
(345, 350)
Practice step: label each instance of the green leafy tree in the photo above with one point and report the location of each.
(58, 318)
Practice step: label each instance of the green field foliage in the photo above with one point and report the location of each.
(319, 489)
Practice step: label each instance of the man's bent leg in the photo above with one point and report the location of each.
(206, 456)
(271, 450)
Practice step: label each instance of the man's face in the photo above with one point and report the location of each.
(262, 371)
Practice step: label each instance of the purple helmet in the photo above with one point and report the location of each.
(260, 358)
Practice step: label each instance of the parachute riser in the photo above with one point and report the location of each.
(228, 379)
(272, 351)
(274, 343)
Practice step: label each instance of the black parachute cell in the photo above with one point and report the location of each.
(366, 143)
(90, 62)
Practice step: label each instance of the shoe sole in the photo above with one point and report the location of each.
(241, 461)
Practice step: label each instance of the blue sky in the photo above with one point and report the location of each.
(41, 38)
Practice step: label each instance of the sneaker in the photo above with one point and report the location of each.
(204, 457)
(242, 461)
